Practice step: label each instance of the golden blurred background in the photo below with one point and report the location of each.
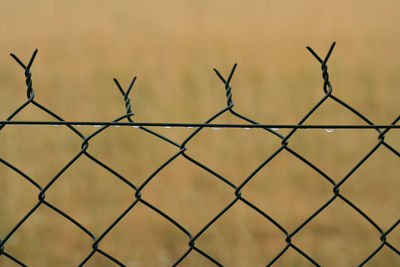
(172, 47)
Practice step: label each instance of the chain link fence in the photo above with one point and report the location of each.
(181, 152)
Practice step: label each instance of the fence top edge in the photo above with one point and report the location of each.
(203, 125)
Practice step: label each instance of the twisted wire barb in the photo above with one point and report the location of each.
(228, 87)
(182, 149)
(125, 94)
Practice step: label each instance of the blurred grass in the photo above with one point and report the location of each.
(171, 46)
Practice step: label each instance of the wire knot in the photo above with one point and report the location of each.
(95, 245)
(128, 104)
(383, 237)
(28, 74)
(127, 99)
(381, 137)
(229, 95)
(228, 87)
(336, 190)
(42, 196)
(28, 82)
(325, 75)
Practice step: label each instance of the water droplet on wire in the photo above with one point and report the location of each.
(329, 130)
(167, 127)
(55, 125)
(275, 129)
(135, 126)
(246, 128)
(216, 128)
(97, 126)
(190, 127)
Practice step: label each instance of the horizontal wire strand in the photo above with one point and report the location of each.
(204, 125)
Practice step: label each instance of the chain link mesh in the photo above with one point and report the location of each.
(181, 152)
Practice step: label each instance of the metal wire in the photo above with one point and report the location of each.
(205, 125)
(181, 152)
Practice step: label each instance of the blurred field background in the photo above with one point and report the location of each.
(172, 46)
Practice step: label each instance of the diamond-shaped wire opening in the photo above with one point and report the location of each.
(152, 239)
(131, 152)
(187, 193)
(228, 148)
(90, 194)
(47, 238)
(282, 189)
(242, 237)
(340, 146)
(338, 235)
(374, 187)
(329, 149)
(18, 198)
(27, 151)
